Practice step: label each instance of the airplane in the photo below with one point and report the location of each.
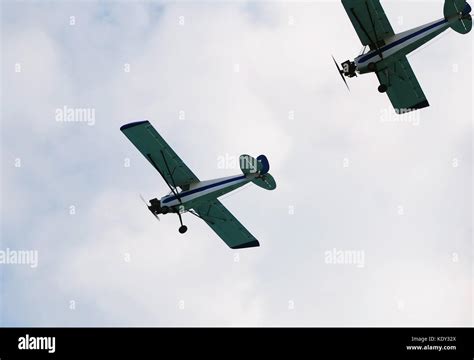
(385, 52)
(189, 194)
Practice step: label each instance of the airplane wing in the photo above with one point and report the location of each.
(369, 21)
(403, 88)
(224, 224)
(147, 140)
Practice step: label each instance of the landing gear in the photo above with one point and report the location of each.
(382, 88)
(183, 228)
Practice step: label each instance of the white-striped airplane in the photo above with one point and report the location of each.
(189, 194)
(385, 52)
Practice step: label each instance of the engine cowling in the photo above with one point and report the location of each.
(349, 68)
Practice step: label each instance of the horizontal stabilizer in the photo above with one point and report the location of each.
(265, 181)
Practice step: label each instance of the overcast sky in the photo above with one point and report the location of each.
(218, 80)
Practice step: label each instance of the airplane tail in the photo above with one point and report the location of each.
(457, 12)
(260, 165)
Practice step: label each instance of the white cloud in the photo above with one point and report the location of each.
(237, 71)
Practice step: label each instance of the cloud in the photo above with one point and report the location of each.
(229, 79)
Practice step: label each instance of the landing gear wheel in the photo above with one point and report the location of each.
(382, 88)
(182, 229)
(371, 66)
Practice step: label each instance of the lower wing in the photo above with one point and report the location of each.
(225, 225)
(403, 88)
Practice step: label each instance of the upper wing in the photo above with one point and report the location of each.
(403, 88)
(369, 21)
(147, 140)
(229, 229)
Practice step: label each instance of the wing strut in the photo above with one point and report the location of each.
(374, 43)
(173, 190)
(200, 217)
(207, 215)
(171, 175)
(375, 33)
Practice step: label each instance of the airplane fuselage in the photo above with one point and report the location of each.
(386, 55)
(204, 191)
(400, 44)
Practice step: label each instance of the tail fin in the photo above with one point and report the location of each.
(250, 165)
(260, 166)
(457, 12)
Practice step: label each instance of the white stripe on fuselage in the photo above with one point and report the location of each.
(204, 188)
(399, 42)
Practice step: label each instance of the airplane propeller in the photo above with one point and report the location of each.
(149, 207)
(341, 72)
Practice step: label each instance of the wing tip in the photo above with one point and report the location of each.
(420, 105)
(253, 243)
(133, 124)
